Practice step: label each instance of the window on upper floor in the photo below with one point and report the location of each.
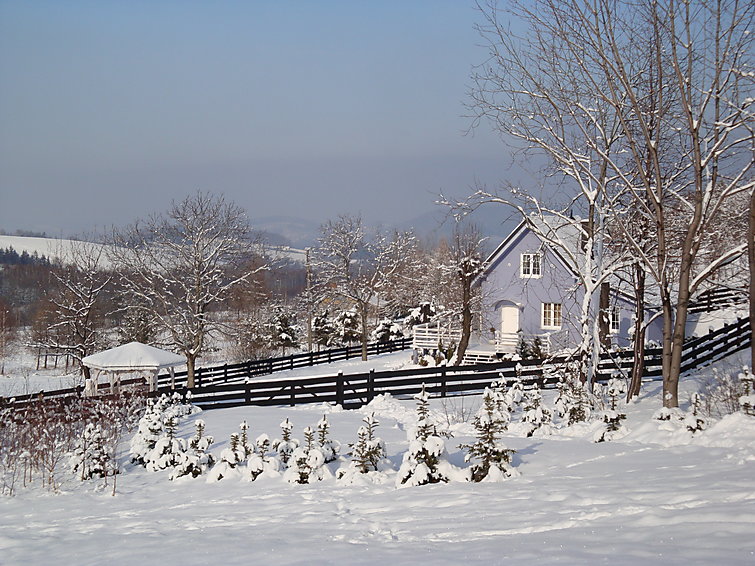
(530, 265)
(614, 319)
(551, 315)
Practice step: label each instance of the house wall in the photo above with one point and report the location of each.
(502, 284)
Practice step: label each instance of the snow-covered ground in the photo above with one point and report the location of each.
(55, 249)
(658, 495)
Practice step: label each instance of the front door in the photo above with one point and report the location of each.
(509, 319)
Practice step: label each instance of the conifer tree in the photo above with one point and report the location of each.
(229, 462)
(197, 460)
(307, 461)
(535, 414)
(90, 458)
(491, 458)
(286, 445)
(328, 447)
(425, 460)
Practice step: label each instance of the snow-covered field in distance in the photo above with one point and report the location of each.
(54, 249)
(659, 495)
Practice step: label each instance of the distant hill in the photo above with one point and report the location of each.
(57, 250)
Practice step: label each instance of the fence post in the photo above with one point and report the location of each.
(247, 393)
(339, 389)
(443, 387)
(225, 372)
(199, 378)
(371, 385)
(348, 348)
(291, 363)
(311, 359)
(330, 354)
(293, 395)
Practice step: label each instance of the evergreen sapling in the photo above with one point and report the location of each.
(491, 459)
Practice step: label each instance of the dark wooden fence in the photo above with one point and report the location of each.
(356, 389)
(717, 298)
(230, 373)
(352, 390)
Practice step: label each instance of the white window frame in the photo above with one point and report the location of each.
(530, 274)
(614, 319)
(550, 310)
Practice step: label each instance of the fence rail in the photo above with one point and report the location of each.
(227, 373)
(352, 390)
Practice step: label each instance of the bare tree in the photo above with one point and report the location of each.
(75, 325)
(681, 158)
(181, 265)
(460, 266)
(751, 265)
(355, 268)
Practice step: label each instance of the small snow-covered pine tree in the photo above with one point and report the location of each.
(535, 414)
(367, 452)
(612, 417)
(491, 459)
(573, 402)
(260, 463)
(169, 451)
(197, 460)
(747, 399)
(90, 458)
(328, 447)
(244, 439)
(286, 445)
(693, 420)
(425, 461)
(149, 431)
(230, 459)
(307, 463)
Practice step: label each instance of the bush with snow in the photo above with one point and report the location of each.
(612, 418)
(747, 399)
(150, 430)
(574, 402)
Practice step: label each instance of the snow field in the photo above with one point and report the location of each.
(658, 495)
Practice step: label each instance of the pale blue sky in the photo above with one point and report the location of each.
(108, 110)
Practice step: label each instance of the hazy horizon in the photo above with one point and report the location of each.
(109, 111)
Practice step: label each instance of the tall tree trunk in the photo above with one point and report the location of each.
(363, 314)
(638, 346)
(751, 261)
(466, 319)
(191, 361)
(603, 310)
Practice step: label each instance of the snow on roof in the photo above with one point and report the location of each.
(133, 356)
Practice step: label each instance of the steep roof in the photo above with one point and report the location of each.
(564, 233)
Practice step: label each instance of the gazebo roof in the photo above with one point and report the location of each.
(133, 356)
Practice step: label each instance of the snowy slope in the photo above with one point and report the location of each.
(656, 496)
(53, 248)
